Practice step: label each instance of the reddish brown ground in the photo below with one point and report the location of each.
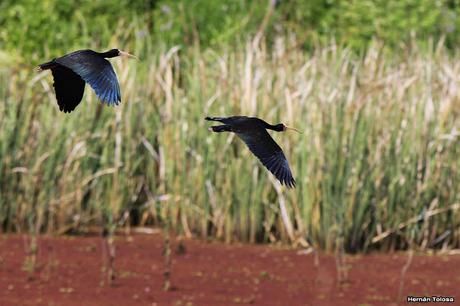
(70, 273)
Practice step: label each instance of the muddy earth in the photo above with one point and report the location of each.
(70, 271)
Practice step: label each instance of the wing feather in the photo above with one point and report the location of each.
(97, 72)
(269, 153)
(68, 86)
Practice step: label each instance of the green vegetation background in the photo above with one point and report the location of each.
(50, 27)
(373, 84)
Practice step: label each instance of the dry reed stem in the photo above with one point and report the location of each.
(403, 274)
(380, 145)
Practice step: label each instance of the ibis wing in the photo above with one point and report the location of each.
(69, 88)
(97, 72)
(269, 153)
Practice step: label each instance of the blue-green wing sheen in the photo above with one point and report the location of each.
(96, 71)
(269, 153)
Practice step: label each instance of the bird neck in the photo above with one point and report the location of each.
(110, 53)
(276, 127)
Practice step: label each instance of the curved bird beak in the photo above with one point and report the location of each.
(126, 54)
(293, 129)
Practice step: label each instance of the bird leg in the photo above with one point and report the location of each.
(46, 66)
(220, 119)
(220, 128)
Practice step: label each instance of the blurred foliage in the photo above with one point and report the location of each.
(208, 22)
(376, 166)
(37, 26)
(50, 27)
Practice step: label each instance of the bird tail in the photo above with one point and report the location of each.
(46, 66)
(220, 128)
(220, 119)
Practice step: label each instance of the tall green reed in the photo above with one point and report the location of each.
(379, 152)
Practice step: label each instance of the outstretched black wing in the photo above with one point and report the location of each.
(269, 153)
(69, 88)
(96, 71)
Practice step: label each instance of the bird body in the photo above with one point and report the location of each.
(71, 71)
(253, 131)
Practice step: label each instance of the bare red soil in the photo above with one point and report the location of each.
(70, 272)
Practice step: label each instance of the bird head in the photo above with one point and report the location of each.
(126, 54)
(115, 52)
(285, 128)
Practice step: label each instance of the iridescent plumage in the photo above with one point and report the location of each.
(71, 71)
(253, 131)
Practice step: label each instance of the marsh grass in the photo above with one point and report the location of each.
(379, 148)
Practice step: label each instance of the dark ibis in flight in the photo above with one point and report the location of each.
(253, 131)
(71, 71)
